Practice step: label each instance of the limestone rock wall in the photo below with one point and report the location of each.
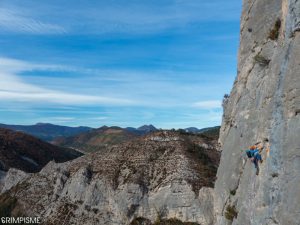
(11, 178)
(264, 106)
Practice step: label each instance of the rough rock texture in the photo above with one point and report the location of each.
(165, 174)
(264, 105)
(11, 178)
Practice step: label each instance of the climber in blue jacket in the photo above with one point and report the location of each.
(255, 156)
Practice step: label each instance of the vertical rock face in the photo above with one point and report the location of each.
(264, 106)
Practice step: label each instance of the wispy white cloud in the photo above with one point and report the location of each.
(154, 68)
(15, 66)
(100, 118)
(159, 89)
(153, 16)
(138, 18)
(58, 119)
(15, 21)
(13, 88)
(115, 16)
(195, 119)
(36, 94)
(213, 104)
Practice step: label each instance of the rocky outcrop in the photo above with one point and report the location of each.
(163, 175)
(12, 178)
(264, 106)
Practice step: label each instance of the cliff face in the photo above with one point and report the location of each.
(264, 106)
(165, 174)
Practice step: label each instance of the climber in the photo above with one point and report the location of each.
(253, 153)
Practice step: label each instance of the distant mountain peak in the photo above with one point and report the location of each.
(192, 129)
(147, 127)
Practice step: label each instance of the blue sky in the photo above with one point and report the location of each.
(116, 62)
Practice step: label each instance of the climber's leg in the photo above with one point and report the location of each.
(259, 158)
(257, 170)
(255, 161)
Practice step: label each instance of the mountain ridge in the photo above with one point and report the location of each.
(29, 154)
(157, 173)
(96, 139)
(46, 131)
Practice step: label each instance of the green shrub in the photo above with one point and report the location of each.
(275, 174)
(213, 132)
(174, 221)
(140, 221)
(261, 60)
(182, 131)
(132, 209)
(232, 192)
(231, 213)
(7, 205)
(274, 33)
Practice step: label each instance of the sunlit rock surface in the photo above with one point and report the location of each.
(264, 106)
